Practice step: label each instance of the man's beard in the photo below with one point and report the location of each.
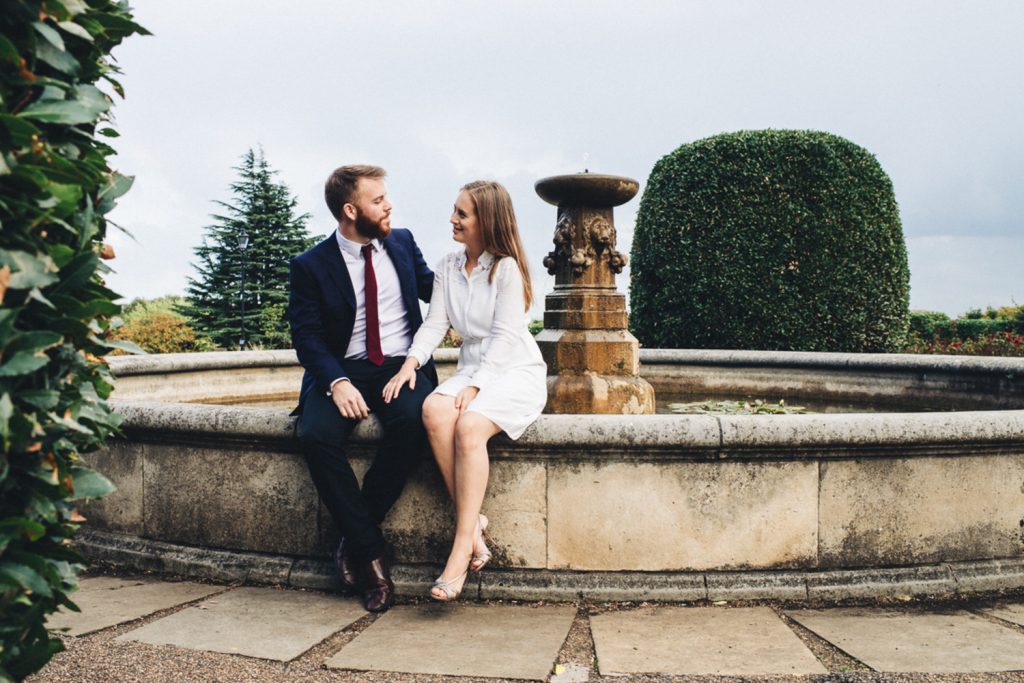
(370, 228)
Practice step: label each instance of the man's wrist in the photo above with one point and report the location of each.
(330, 390)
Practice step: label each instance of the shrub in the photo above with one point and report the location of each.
(769, 240)
(927, 324)
(998, 344)
(55, 189)
(975, 328)
(161, 332)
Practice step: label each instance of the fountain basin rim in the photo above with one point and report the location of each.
(822, 436)
(124, 366)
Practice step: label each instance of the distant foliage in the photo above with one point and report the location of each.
(156, 328)
(55, 190)
(776, 240)
(265, 211)
(993, 332)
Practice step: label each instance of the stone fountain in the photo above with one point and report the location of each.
(593, 360)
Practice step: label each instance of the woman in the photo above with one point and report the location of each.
(484, 292)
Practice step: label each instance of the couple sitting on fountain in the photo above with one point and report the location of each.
(357, 329)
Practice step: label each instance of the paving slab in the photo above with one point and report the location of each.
(903, 641)
(699, 640)
(1012, 612)
(496, 641)
(107, 601)
(256, 622)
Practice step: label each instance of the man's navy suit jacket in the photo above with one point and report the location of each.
(322, 305)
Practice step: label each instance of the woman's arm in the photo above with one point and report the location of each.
(435, 325)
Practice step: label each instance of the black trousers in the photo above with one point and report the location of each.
(324, 433)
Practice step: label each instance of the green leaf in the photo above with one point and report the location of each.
(26, 577)
(109, 132)
(92, 97)
(58, 59)
(75, 30)
(23, 363)
(118, 344)
(66, 197)
(75, 7)
(51, 35)
(6, 411)
(12, 527)
(44, 399)
(116, 185)
(33, 342)
(30, 270)
(8, 52)
(59, 111)
(90, 483)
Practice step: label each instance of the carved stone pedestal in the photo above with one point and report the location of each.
(593, 360)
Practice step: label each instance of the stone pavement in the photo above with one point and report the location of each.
(561, 643)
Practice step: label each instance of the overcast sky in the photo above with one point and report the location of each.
(442, 93)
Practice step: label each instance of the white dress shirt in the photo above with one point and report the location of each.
(395, 334)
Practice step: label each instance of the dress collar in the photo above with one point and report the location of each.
(483, 264)
(354, 249)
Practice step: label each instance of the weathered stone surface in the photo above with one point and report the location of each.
(888, 582)
(107, 601)
(120, 462)
(422, 523)
(757, 585)
(499, 641)
(241, 499)
(256, 622)
(940, 642)
(877, 512)
(988, 575)
(547, 585)
(1012, 612)
(695, 641)
(654, 517)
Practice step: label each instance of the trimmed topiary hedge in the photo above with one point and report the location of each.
(773, 239)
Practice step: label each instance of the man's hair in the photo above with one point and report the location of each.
(340, 188)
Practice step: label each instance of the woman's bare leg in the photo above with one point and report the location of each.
(439, 418)
(472, 468)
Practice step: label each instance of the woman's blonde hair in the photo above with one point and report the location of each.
(498, 225)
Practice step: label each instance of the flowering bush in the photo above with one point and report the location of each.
(997, 344)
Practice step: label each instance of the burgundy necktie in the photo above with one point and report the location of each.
(373, 352)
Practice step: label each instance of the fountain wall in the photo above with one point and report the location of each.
(617, 507)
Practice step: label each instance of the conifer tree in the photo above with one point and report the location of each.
(263, 211)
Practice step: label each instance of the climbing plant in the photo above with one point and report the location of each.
(56, 188)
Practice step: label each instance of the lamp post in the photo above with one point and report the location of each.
(243, 243)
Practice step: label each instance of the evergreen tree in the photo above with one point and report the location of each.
(262, 210)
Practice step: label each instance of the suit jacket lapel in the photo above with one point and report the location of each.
(330, 255)
(401, 259)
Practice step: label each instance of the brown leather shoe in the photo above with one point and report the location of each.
(378, 590)
(346, 567)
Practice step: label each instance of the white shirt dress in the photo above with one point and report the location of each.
(498, 355)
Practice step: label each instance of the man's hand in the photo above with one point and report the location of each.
(349, 401)
(405, 375)
(464, 398)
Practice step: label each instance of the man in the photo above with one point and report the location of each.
(353, 311)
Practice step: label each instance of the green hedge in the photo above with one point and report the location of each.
(773, 239)
(928, 324)
(55, 187)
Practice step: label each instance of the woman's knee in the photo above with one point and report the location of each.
(438, 412)
(472, 431)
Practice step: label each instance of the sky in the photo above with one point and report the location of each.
(446, 92)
